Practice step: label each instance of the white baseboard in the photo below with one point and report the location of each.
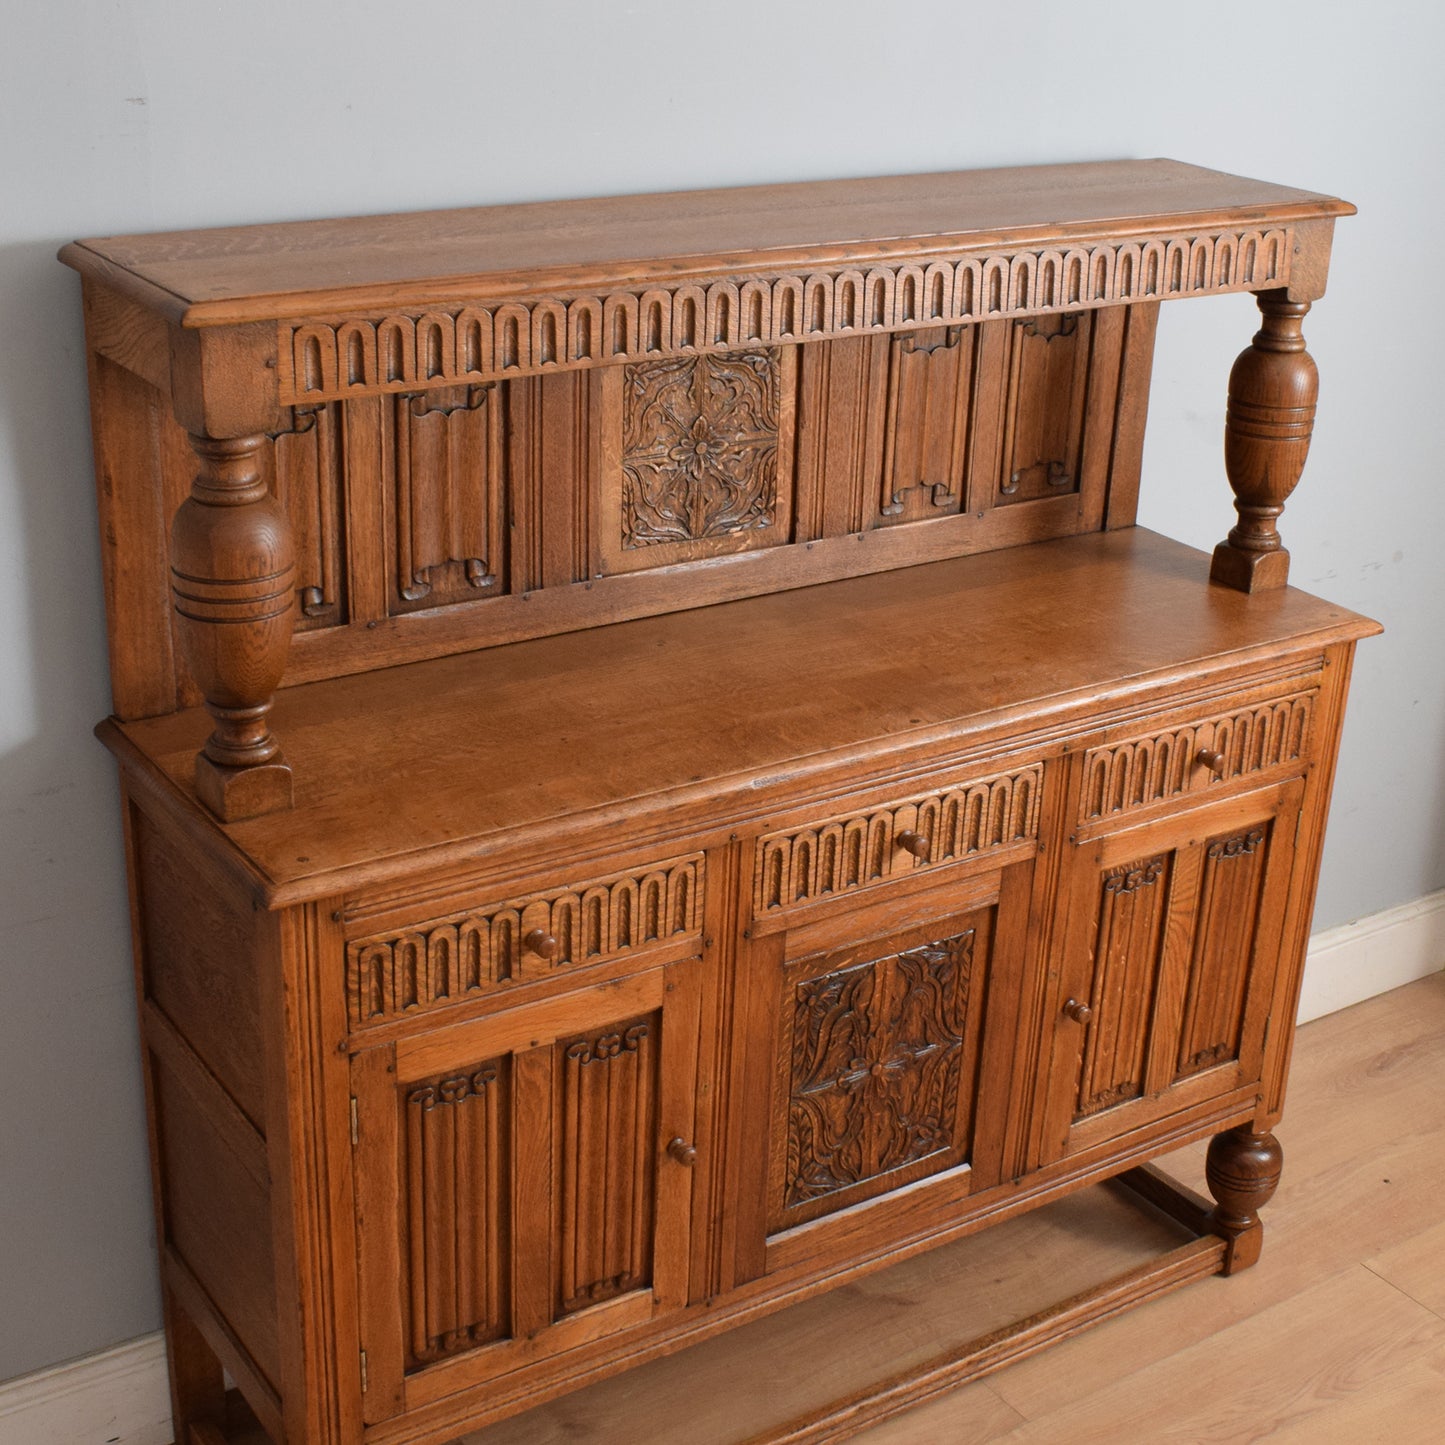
(118, 1397)
(121, 1397)
(1358, 960)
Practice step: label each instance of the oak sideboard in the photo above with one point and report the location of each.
(660, 772)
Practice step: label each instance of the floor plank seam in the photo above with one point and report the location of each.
(1400, 1289)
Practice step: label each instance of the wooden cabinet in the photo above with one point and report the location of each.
(524, 1182)
(660, 773)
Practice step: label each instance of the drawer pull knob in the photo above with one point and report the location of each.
(682, 1151)
(541, 943)
(1214, 761)
(1081, 1013)
(914, 843)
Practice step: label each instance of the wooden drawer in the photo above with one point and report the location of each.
(839, 854)
(1178, 754)
(468, 953)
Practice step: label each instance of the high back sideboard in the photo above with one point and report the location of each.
(660, 773)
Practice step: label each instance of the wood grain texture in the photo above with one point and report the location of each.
(236, 274)
(913, 688)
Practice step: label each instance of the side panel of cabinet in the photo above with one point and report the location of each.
(1168, 964)
(518, 1187)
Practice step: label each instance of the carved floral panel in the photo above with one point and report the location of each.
(699, 447)
(877, 1055)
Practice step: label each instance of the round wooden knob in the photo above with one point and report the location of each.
(682, 1151)
(540, 942)
(1081, 1013)
(1209, 758)
(914, 843)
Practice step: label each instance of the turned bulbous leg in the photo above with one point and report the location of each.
(233, 583)
(1242, 1169)
(1272, 392)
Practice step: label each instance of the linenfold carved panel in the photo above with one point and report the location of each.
(925, 445)
(454, 1190)
(468, 955)
(859, 849)
(699, 447)
(357, 355)
(875, 1070)
(306, 468)
(448, 498)
(603, 1179)
(1129, 936)
(1048, 369)
(1224, 944)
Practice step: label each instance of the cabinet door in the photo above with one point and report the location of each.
(1170, 953)
(516, 1190)
(871, 1035)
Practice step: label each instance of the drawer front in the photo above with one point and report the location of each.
(467, 955)
(1168, 761)
(851, 851)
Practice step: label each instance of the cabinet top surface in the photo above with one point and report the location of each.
(429, 764)
(249, 273)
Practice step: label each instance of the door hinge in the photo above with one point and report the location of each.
(355, 1124)
(363, 1373)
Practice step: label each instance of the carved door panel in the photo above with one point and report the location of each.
(523, 1183)
(1170, 953)
(877, 1027)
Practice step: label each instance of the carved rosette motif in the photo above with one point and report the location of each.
(876, 1057)
(700, 447)
(356, 356)
(464, 957)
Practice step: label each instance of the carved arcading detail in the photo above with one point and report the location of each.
(356, 356)
(699, 447)
(877, 1050)
(860, 849)
(1264, 737)
(607, 1109)
(469, 955)
(453, 1170)
(1164, 765)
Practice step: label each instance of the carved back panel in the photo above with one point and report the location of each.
(440, 518)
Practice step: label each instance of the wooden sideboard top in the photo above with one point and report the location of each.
(242, 274)
(429, 764)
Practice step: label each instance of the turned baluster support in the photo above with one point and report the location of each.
(1271, 414)
(1242, 1169)
(233, 584)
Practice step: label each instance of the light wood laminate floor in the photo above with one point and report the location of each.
(1337, 1335)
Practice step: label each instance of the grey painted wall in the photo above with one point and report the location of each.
(145, 114)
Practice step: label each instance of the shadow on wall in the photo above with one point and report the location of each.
(76, 1248)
